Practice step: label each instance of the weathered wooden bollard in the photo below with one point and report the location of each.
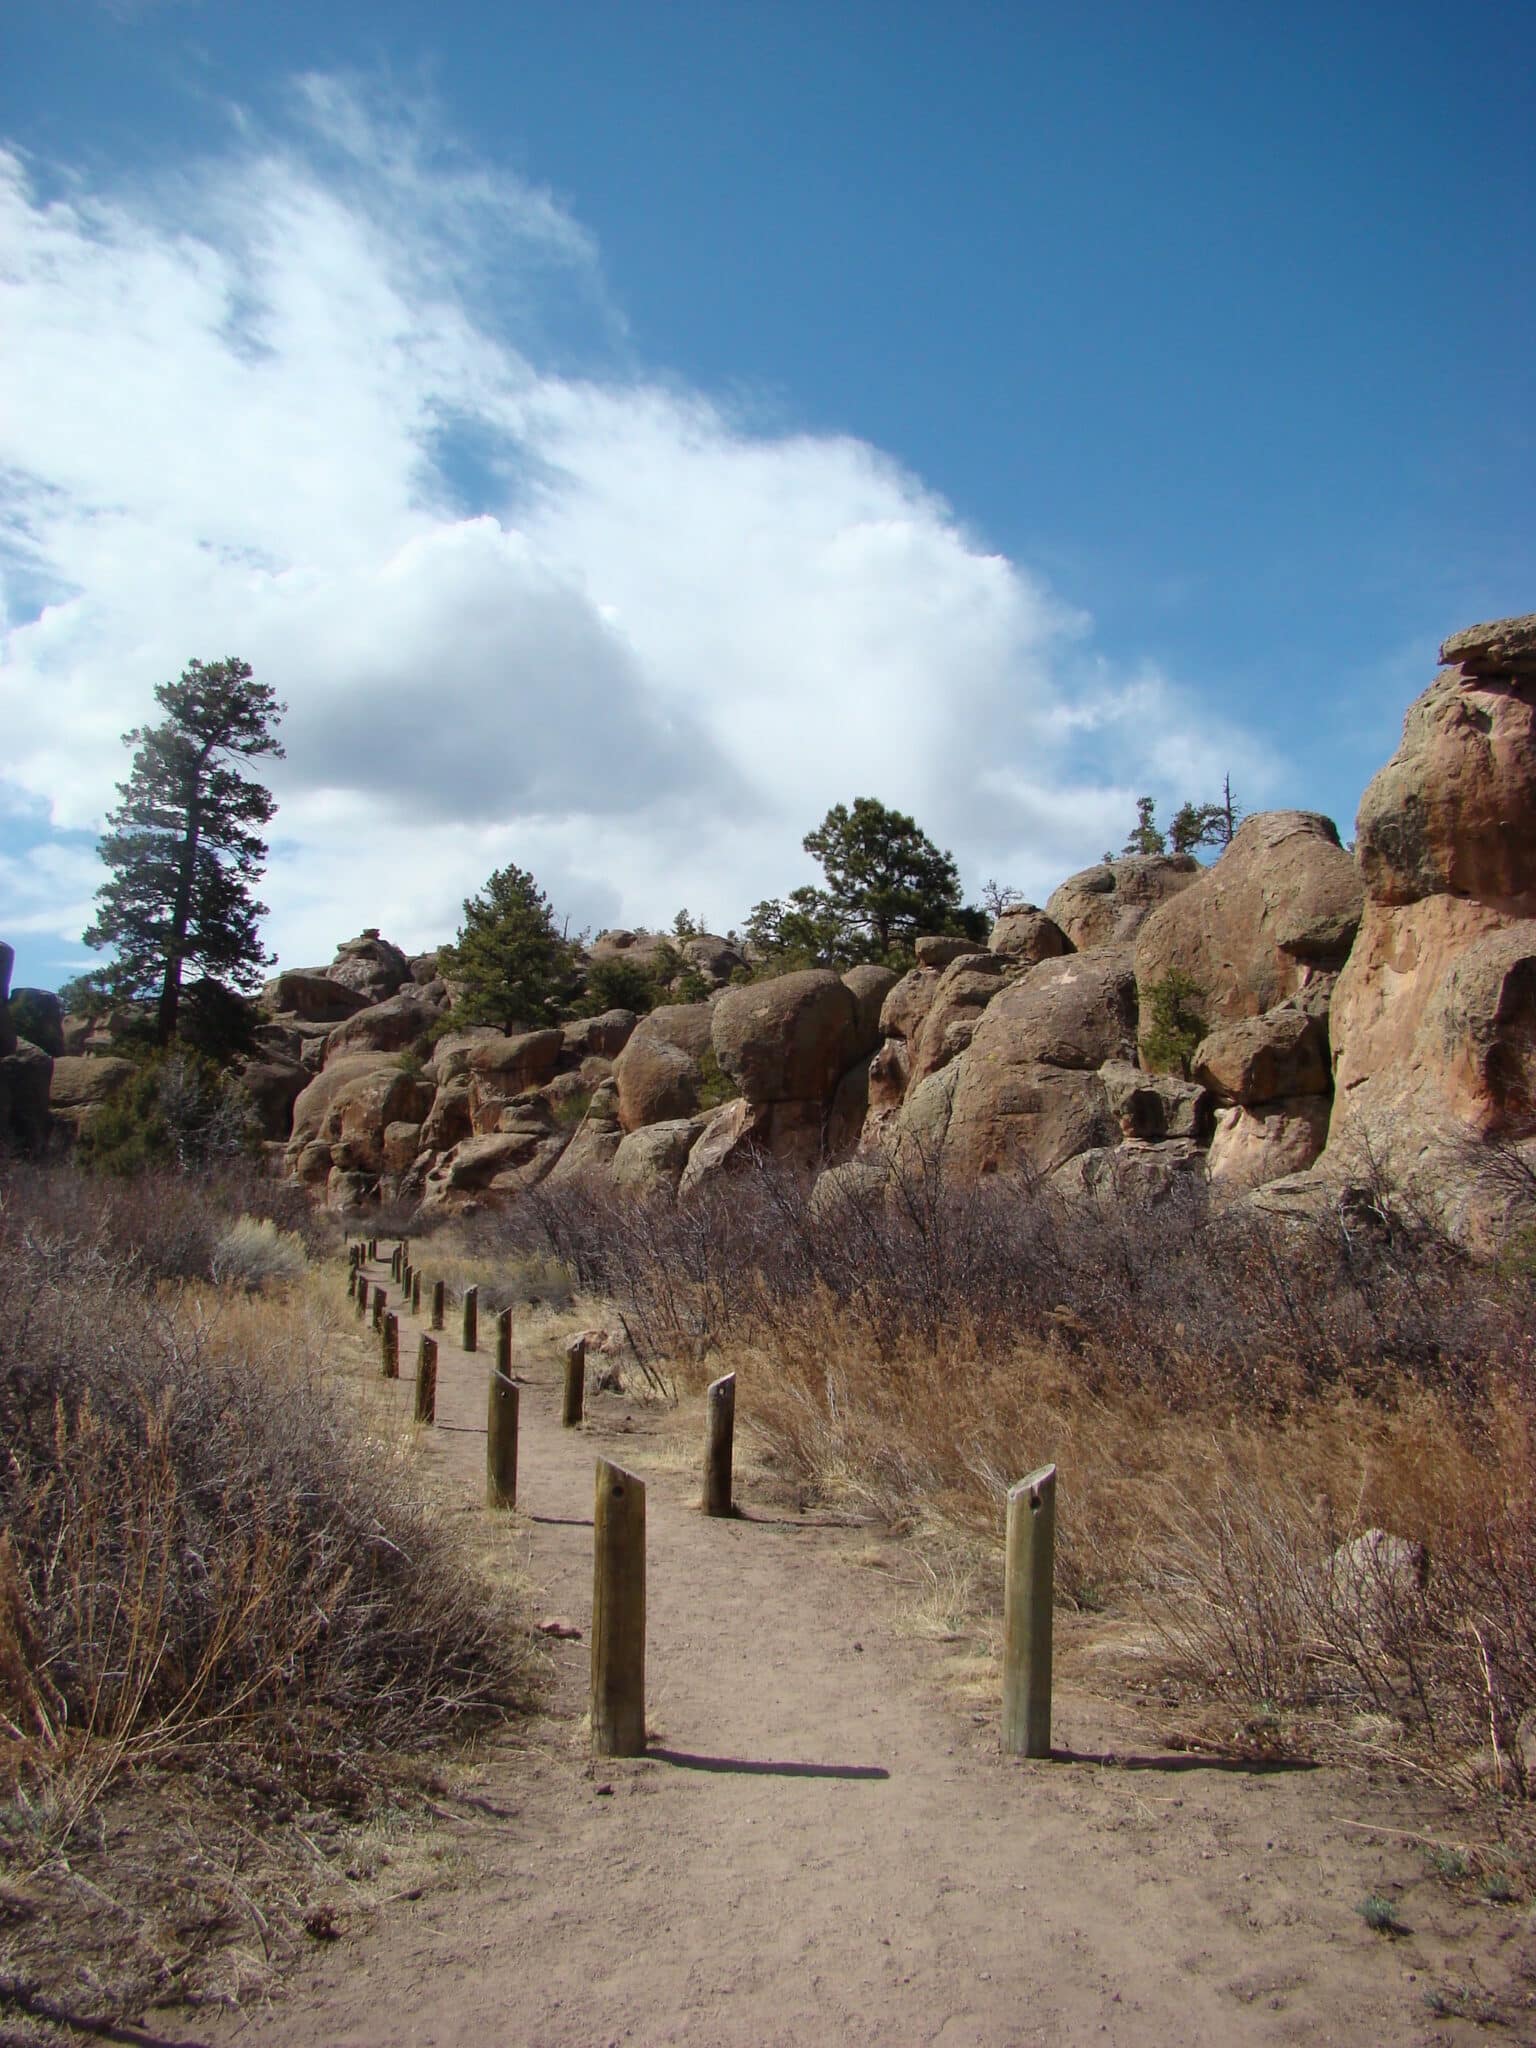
(574, 1403)
(501, 1441)
(407, 1274)
(618, 1613)
(719, 1440)
(361, 1301)
(396, 1260)
(415, 1290)
(380, 1303)
(504, 1341)
(352, 1281)
(426, 1379)
(439, 1303)
(471, 1318)
(373, 1249)
(1028, 1590)
(389, 1348)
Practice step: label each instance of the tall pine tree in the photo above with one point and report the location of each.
(184, 846)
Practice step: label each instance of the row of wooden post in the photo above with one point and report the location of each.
(618, 1525)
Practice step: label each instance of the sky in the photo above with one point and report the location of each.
(620, 432)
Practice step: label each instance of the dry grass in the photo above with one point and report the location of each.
(232, 1621)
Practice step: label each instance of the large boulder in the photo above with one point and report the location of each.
(941, 949)
(449, 1120)
(964, 990)
(1253, 1146)
(1025, 936)
(1153, 1107)
(389, 1026)
(501, 1162)
(450, 1056)
(787, 1040)
(311, 994)
(78, 1086)
(1137, 1172)
(1279, 907)
(363, 1108)
(37, 1015)
(658, 1082)
(651, 1162)
(274, 1086)
(313, 1105)
(869, 985)
(371, 965)
(604, 1036)
(688, 1026)
(501, 1069)
(713, 957)
(1450, 813)
(1107, 905)
(1259, 1059)
(1076, 1011)
(905, 1008)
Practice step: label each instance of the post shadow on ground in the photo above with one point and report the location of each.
(562, 1521)
(752, 1767)
(1185, 1760)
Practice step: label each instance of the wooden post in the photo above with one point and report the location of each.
(572, 1407)
(719, 1438)
(415, 1290)
(380, 1301)
(373, 1249)
(504, 1342)
(501, 1441)
(618, 1613)
(471, 1318)
(361, 1301)
(439, 1303)
(426, 1379)
(395, 1262)
(352, 1280)
(389, 1348)
(1028, 1588)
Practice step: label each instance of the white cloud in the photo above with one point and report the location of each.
(235, 418)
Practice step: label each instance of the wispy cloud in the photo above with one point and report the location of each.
(318, 404)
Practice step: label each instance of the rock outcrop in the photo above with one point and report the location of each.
(1107, 905)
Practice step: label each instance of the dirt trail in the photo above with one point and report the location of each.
(824, 1845)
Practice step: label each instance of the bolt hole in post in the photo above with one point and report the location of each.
(618, 1612)
(1028, 1593)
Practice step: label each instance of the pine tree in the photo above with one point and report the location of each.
(1145, 836)
(184, 846)
(516, 969)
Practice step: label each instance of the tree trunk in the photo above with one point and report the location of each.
(181, 914)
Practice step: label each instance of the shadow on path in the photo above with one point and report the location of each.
(685, 1760)
(1184, 1760)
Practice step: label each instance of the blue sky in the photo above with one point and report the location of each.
(622, 431)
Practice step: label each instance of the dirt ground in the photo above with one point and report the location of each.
(823, 1843)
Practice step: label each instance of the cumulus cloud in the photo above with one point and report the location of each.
(361, 410)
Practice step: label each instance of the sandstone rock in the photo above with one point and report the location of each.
(503, 1068)
(850, 1106)
(939, 950)
(371, 965)
(1076, 1011)
(889, 1071)
(964, 990)
(1155, 1106)
(1281, 904)
(657, 1082)
(361, 1110)
(1021, 1116)
(855, 1184)
(1135, 1171)
(605, 1035)
(449, 1120)
(589, 1154)
(499, 1158)
(713, 957)
(1253, 1146)
(347, 1192)
(787, 1040)
(26, 1073)
(312, 1163)
(1107, 905)
(274, 1086)
(36, 1015)
(869, 985)
(733, 1136)
(1451, 812)
(1025, 936)
(1259, 1059)
(906, 1006)
(688, 1026)
(1501, 647)
(78, 1087)
(424, 968)
(311, 1108)
(312, 995)
(389, 1026)
(1480, 1029)
(450, 1056)
(402, 1142)
(651, 1161)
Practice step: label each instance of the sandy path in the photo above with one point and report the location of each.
(825, 1846)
